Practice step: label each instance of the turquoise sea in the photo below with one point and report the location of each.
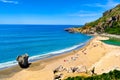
(39, 41)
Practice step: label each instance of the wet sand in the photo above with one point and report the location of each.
(96, 54)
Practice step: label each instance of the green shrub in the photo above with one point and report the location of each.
(112, 75)
(115, 29)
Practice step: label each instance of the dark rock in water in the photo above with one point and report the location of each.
(70, 30)
(23, 61)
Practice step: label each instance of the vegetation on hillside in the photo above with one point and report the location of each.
(115, 29)
(112, 75)
(108, 23)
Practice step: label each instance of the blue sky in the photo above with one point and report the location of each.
(76, 12)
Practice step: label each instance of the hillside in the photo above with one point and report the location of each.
(108, 23)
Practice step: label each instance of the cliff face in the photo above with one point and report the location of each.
(108, 23)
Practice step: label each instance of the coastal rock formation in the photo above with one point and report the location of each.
(71, 30)
(108, 23)
(23, 61)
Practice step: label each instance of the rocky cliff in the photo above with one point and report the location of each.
(108, 23)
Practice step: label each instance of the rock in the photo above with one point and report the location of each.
(106, 13)
(70, 30)
(59, 69)
(105, 24)
(93, 71)
(58, 77)
(74, 69)
(118, 5)
(23, 61)
(114, 18)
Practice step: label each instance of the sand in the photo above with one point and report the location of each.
(96, 54)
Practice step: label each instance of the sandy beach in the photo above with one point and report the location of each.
(96, 54)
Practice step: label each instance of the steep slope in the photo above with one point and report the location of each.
(108, 23)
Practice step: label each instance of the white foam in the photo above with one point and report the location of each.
(38, 57)
(7, 64)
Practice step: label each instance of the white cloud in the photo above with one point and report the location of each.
(83, 13)
(91, 15)
(9, 1)
(108, 5)
(86, 14)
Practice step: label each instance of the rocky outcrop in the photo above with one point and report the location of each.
(58, 77)
(111, 10)
(23, 61)
(108, 23)
(71, 30)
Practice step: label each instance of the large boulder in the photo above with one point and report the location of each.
(23, 61)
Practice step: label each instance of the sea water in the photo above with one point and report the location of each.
(39, 41)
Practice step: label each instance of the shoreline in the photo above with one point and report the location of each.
(110, 35)
(8, 72)
(53, 54)
(85, 56)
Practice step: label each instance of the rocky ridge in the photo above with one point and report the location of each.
(108, 23)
